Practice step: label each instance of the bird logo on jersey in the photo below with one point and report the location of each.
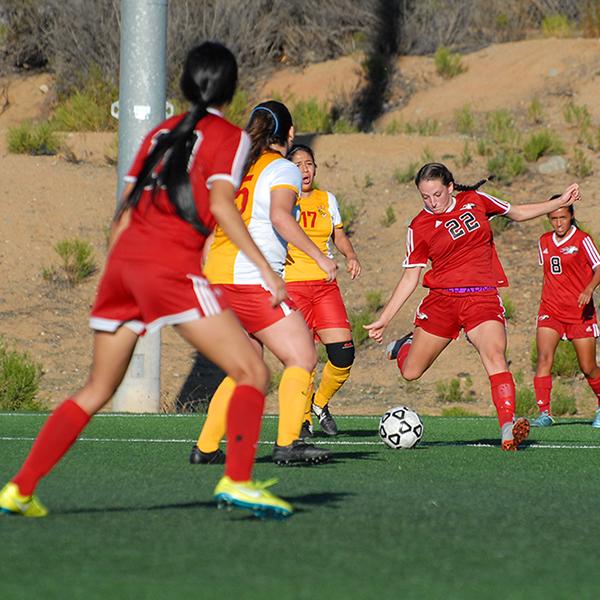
(467, 206)
(322, 211)
(569, 250)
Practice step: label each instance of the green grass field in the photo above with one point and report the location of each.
(453, 518)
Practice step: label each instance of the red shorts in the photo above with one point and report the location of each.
(320, 303)
(252, 305)
(587, 328)
(445, 314)
(145, 296)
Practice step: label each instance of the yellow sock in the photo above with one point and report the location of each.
(332, 379)
(309, 394)
(215, 425)
(293, 390)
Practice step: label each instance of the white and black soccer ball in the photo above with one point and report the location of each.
(401, 428)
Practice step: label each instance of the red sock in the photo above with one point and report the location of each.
(244, 419)
(595, 385)
(543, 389)
(402, 354)
(54, 439)
(503, 396)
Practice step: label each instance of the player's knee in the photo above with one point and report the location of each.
(340, 354)
(255, 373)
(410, 373)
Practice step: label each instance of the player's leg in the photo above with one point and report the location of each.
(112, 352)
(421, 353)
(290, 340)
(340, 357)
(489, 339)
(586, 355)
(546, 341)
(206, 450)
(223, 341)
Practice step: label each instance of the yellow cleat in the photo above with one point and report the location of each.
(13, 503)
(252, 495)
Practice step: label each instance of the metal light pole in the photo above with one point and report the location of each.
(141, 106)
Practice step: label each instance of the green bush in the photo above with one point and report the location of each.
(580, 165)
(88, 108)
(311, 117)
(556, 25)
(457, 411)
(30, 138)
(500, 128)
(525, 402)
(506, 165)
(535, 113)
(406, 175)
(368, 181)
(565, 359)
(448, 64)
(542, 143)
(389, 217)
(578, 116)
(78, 262)
(465, 120)
(454, 391)
(426, 127)
(465, 158)
(364, 316)
(509, 308)
(563, 401)
(394, 127)
(237, 111)
(19, 381)
(348, 213)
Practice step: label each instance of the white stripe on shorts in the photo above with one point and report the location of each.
(206, 297)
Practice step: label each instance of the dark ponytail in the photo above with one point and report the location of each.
(209, 78)
(270, 123)
(438, 171)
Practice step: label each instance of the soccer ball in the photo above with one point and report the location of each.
(401, 428)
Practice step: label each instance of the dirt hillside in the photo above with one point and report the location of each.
(48, 199)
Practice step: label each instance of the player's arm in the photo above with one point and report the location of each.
(588, 290)
(282, 203)
(524, 212)
(121, 219)
(404, 289)
(344, 245)
(225, 212)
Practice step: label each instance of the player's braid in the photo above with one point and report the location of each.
(259, 131)
(174, 150)
(459, 187)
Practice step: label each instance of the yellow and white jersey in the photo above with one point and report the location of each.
(225, 263)
(319, 215)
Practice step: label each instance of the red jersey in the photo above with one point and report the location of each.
(459, 243)
(156, 233)
(569, 265)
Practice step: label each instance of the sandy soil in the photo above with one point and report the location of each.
(47, 199)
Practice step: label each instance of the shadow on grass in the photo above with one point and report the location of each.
(126, 509)
(336, 457)
(347, 433)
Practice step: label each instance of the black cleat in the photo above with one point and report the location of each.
(327, 422)
(393, 348)
(197, 457)
(306, 431)
(299, 452)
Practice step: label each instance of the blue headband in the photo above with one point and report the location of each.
(272, 114)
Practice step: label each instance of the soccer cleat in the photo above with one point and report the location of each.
(13, 503)
(197, 457)
(252, 495)
(299, 452)
(520, 431)
(306, 431)
(393, 348)
(544, 420)
(326, 421)
(596, 421)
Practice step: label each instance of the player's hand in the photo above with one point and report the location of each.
(570, 195)
(584, 297)
(376, 329)
(276, 286)
(353, 267)
(329, 266)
